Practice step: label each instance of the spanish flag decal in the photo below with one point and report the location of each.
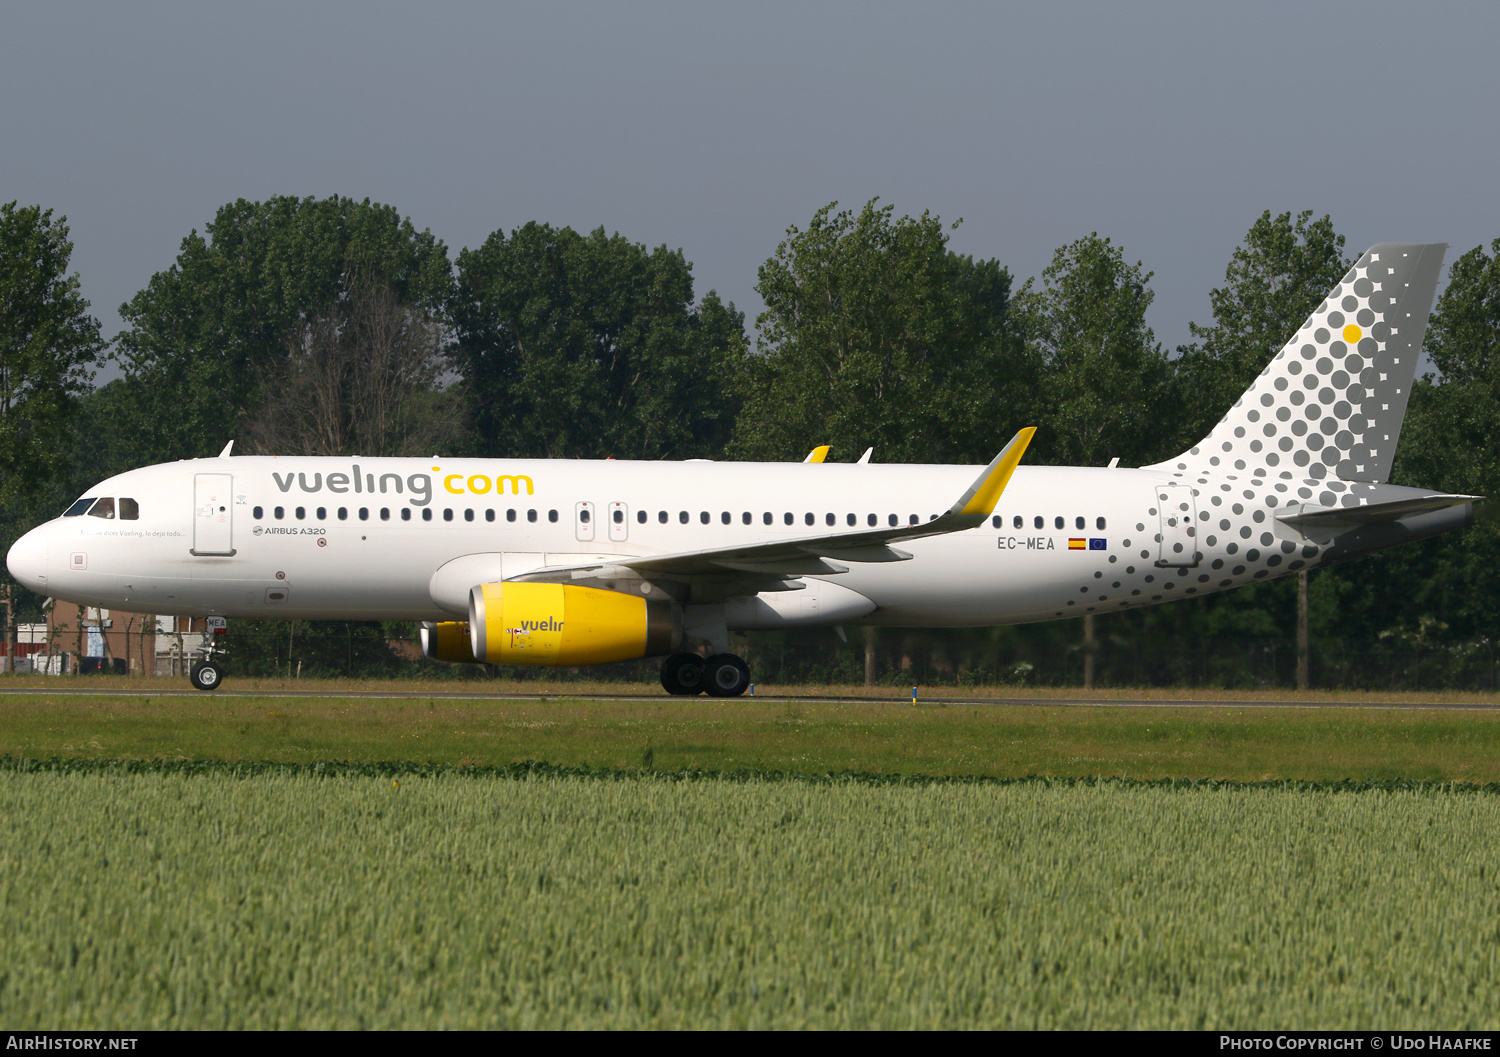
(1076, 544)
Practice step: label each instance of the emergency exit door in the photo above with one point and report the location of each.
(213, 514)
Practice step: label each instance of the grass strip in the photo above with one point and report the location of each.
(1229, 742)
(539, 769)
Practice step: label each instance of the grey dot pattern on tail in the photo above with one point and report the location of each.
(1330, 404)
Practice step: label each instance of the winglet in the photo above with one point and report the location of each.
(979, 501)
(818, 454)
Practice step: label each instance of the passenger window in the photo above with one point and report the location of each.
(364, 513)
(531, 515)
(661, 517)
(448, 513)
(258, 512)
(468, 515)
(995, 521)
(322, 513)
(724, 518)
(619, 517)
(79, 507)
(279, 513)
(489, 515)
(640, 517)
(406, 513)
(302, 513)
(873, 520)
(746, 518)
(343, 513)
(426, 513)
(830, 520)
(1018, 521)
(583, 517)
(852, 519)
(703, 516)
(788, 517)
(385, 513)
(130, 510)
(767, 518)
(912, 519)
(104, 508)
(510, 515)
(682, 517)
(1079, 523)
(1058, 522)
(1099, 524)
(552, 516)
(893, 520)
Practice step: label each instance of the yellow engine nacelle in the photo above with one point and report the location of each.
(448, 641)
(520, 623)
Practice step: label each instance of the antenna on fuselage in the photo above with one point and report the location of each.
(866, 456)
(225, 453)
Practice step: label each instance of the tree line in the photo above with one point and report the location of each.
(334, 327)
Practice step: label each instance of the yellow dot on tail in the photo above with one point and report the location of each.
(1352, 334)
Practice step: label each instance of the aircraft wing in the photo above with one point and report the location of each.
(809, 555)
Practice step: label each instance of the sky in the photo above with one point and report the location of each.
(709, 127)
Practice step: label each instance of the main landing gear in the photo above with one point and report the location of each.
(722, 675)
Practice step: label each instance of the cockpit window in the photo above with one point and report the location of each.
(79, 507)
(130, 510)
(104, 508)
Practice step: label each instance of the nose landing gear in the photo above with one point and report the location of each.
(722, 675)
(207, 673)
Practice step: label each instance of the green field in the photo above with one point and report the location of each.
(203, 861)
(294, 900)
(810, 737)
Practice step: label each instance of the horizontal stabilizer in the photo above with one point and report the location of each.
(1366, 515)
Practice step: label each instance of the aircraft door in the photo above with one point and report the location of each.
(1178, 511)
(583, 521)
(213, 523)
(619, 522)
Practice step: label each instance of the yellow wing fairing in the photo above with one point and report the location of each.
(980, 500)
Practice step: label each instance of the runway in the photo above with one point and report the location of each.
(779, 698)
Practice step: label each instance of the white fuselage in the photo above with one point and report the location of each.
(307, 543)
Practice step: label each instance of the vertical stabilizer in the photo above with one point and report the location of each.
(1331, 403)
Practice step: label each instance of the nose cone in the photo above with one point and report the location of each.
(27, 561)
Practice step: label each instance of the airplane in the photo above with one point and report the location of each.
(579, 562)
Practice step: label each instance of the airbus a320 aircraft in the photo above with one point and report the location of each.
(551, 562)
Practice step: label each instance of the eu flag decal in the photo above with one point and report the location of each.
(1098, 545)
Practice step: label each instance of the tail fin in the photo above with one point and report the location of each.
(1333, 400)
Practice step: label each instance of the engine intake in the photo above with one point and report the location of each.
(546, 624)
(448, 641)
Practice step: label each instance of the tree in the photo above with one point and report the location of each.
(48, 345)
(1450, 442)
(876, 334)
(361, 378)
(1274, 280)
(208, 338)
(1103, 374)
(583, 346)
